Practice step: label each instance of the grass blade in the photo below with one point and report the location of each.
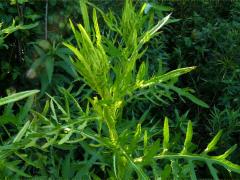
(17, 96)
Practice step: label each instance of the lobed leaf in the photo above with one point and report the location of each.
(192, 157)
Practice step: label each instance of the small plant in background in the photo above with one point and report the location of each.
(6, 66)
(228, 120)
(209, 38)
(49, 20)
(49, 57)
(4, 32)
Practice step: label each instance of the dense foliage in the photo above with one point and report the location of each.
(117, 87)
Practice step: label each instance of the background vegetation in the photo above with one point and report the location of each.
(113, 121)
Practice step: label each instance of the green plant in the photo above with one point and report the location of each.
(93, 131)
(9, 118)
(6, 68)
(208, 37)
(115, 77)
(50, 61)
(8, 30)
(226, 119)
(64, 127)
(17, 96)
(183, 170)
(49, 21)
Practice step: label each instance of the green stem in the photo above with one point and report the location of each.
(112, 131)
(198, 157)
(111, 119)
